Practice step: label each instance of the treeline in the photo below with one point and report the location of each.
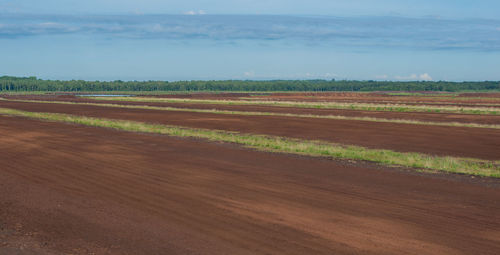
(19, 84)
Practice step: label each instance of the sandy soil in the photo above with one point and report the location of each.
(83, 190)
(454, 141)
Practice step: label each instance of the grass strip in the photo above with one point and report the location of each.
(285, 145)
(322, 105)
(215, 111)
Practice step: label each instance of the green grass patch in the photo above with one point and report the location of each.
(285, 145)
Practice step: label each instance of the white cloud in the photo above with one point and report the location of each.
(330, 75)
(290, 30)
(199, 12)
(381, 77)
(415, 77)
(249, 74)
(425, 77)
(50, 25)
(317, 76)
(252, 75)
(158, 28)
(410, 77)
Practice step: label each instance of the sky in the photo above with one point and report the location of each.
(242, 39)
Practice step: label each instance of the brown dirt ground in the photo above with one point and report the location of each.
(453, 141)
(372, 96)
(352, 97)
(490, 95)
(432, 117)
(407, 100)
(82, 190)
(479, 99)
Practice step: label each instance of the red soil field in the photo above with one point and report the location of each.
(436, 98)
(490, 95)
(466, 99)
(453, 141)
(431, 97)
(83, 190)
(431, 117)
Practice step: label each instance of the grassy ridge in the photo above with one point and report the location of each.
(215, 111)
(285, 145)
(323, 105)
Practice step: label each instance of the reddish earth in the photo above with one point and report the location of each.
(420, 116)
(373, 97)
(376, 96)
(490, 95)
(464, 99)
(82, 190)
(433, 117)
(454, 141)
(203, 95)
(382, 99)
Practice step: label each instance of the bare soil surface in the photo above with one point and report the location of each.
(453, 141)
(471, 99)
(69, 189)
(426, 97)
(431, 117)
(489, 95)
(409, 101)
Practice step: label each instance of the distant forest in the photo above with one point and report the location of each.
(19, 84)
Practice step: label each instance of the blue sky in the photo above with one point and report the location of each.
(241, 39)
(446, 8)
